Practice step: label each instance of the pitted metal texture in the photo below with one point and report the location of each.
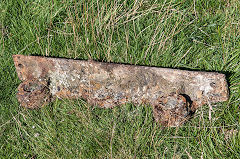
(174, 94)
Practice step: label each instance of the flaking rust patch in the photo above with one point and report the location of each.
(174, 94)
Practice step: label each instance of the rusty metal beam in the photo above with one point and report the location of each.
(174, 94)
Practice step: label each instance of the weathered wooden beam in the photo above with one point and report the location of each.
(174, 94)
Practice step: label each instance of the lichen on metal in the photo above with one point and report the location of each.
(173, 94)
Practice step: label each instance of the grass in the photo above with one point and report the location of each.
(193, 35)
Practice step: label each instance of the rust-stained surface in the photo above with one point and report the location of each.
(174, 94)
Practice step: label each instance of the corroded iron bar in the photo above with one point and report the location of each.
(174, 94)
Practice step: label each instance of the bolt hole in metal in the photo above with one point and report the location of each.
(213, 84)
(20, 65)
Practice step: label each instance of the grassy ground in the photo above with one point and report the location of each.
(194, 35)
